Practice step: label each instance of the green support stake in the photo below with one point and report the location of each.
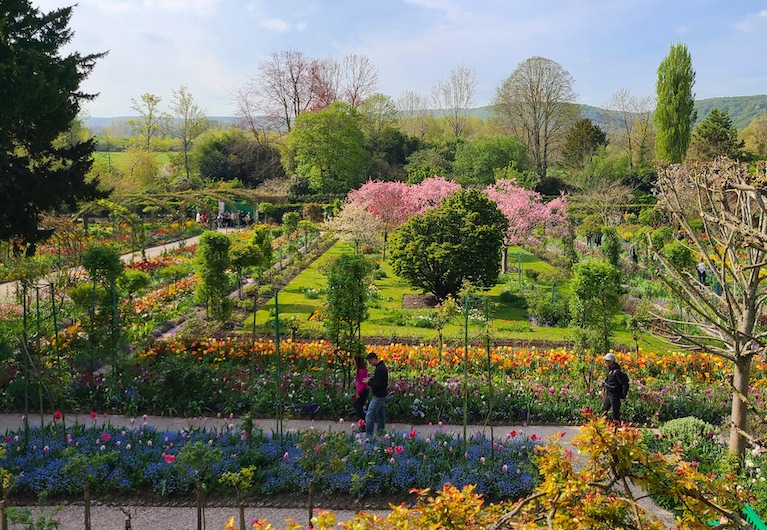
(279, 361)
(466, 367)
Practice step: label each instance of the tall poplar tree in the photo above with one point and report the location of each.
(675, 114)
(39, 99)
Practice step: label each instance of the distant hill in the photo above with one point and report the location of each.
(742, 110)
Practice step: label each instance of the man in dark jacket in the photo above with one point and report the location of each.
(615, 386)
(379, 386)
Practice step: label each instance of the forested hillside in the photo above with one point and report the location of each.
(742, 109)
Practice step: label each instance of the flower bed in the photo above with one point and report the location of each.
(311, 379)
(57, 460)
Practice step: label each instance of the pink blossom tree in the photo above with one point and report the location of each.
(387, 201)
(393, 203)
(429, 194)
(527, 215)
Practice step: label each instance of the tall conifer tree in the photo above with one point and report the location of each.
(40, 98)
(675, 113)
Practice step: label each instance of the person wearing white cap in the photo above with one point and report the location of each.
(616, 386)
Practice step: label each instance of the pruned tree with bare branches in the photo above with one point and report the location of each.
(326, 83)
(283, 87)
(632, 116)
(456, 95)
(605, 197)
(722, 314)
(413, 108)
(359, 79)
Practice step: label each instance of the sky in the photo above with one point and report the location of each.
(214, 46)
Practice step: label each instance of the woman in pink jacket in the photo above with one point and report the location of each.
(361, 389)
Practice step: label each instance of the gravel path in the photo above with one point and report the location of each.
(173, 518)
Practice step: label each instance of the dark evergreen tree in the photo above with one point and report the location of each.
(581, 143)
(39, 99)
(716, 136)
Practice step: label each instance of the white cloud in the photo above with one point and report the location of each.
(752, 21)
(276, 24)
(280, 26)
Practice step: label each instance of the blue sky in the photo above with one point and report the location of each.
(212, 46)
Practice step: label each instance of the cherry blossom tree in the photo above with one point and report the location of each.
(393, 203)
(527, 215)
(429, 194)
(387, 201)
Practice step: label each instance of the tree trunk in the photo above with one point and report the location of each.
(505, 260)
(739, 414)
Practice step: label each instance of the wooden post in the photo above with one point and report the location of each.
(87, 506)
(311, 503)
(199, 506)
(3, 518)
(242, 516)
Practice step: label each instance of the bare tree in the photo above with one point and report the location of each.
(535, 103)
(633, 116)
(360, 79)
(188, 121)
(723, 314)
(249, 113)
(456, 95)
(413, 109)
(326, 83)
(151, 122)
(283, 87)
(604, 197)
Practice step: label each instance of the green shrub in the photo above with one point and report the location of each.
(697, 440)
(174, 272)
(551, 276)
(546, 311)
(678, 255)
(688, 431)
(650, 217)
(266, 291)
(512, 299)
(661, 236)
(697, 225)
(532, 275)
(194, 328)
(380, 274)
(132, 281)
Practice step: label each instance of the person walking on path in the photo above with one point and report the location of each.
(379, 386)
(361, 389)
(616, 386)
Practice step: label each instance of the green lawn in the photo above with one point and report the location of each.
(509, 322)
